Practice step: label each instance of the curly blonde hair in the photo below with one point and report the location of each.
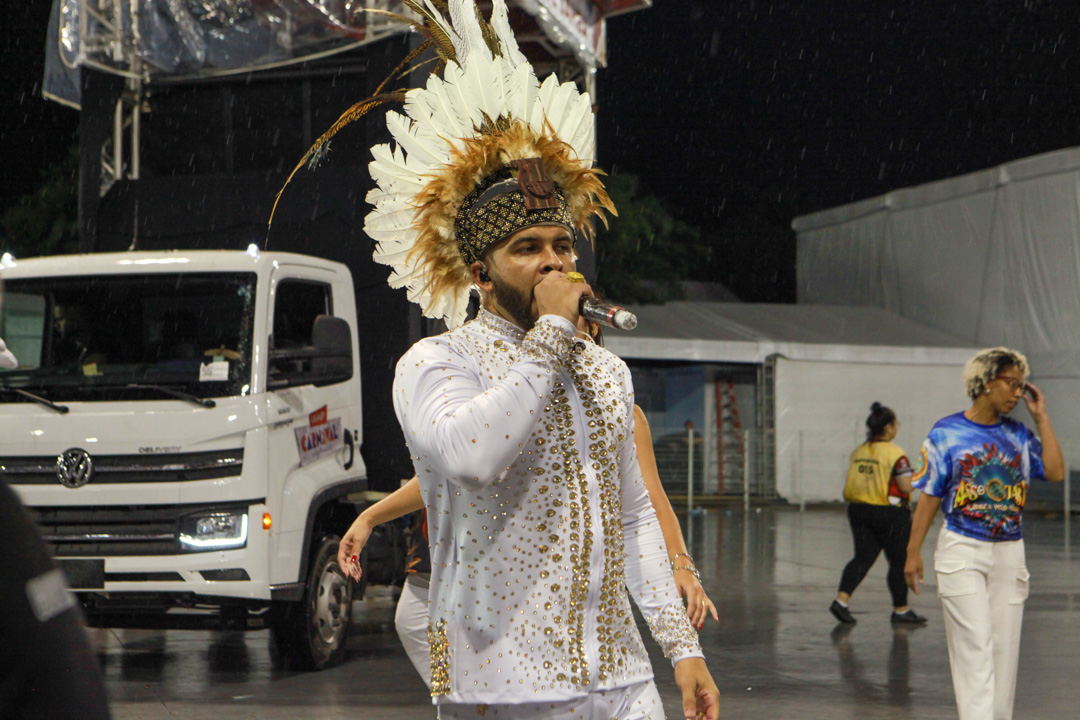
(987, 364)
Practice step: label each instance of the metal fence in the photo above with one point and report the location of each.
(717, 468)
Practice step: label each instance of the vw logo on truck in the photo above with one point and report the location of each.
(74, 467)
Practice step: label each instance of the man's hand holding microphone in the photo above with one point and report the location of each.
(578, 299)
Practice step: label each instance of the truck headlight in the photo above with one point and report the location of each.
(214, 531)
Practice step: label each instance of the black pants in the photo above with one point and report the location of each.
(875, 528)
(47, 668)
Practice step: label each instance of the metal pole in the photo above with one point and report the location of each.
(799, 477)
(746, 471)
(118, 140)
(136, 129)
(710, 438)
(1068, 514)
(690, 470)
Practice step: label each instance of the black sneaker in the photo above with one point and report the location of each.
(907, 618)
(842, 614)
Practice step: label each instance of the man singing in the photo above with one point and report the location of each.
(521, 435)
(538, 514)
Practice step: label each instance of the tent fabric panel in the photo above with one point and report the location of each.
(842, 264)
(939, 254)
(821, 410)
(779, 323)
(1057, 162)
(1027, 230)
(945, 191)
(1041, 264)
(757, 353)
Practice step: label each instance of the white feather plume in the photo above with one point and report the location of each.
(390, 170)
(521, 88)
(447, 118)
(461, 94)
(544, 101)
(418, 141)
(577, 125)
(500, 22)
(463, 18)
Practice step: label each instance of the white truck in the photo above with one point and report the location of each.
(185, 428)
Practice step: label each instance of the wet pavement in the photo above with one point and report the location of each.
(776, 652)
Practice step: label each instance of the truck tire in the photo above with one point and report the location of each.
(311, 634)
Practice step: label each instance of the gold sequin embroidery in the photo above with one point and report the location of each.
(440, 658)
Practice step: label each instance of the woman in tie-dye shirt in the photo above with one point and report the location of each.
(976, 466)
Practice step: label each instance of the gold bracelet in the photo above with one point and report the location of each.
(693, 570)
(686, 555)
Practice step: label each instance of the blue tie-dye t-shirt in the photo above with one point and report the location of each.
(981, 474)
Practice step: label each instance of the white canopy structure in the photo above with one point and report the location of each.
(819, 369)
(751, 333)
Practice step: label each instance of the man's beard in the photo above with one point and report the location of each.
(517, 305)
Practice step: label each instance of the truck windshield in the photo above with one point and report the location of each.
(93, 337)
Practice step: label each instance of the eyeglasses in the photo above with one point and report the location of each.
(1015, 385)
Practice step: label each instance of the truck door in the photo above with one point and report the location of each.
(312, 448)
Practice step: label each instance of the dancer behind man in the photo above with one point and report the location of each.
(878, 488)
(976, 466)
(522, 438)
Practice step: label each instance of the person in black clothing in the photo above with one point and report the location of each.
(877, 488)
(47, 669)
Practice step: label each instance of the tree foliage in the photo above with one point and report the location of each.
(46, 221)
(645, 252)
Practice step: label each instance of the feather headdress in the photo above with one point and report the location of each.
(481, 110)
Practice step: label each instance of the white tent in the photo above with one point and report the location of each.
(992, 257)
(822, 367)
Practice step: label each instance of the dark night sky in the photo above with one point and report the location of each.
(33, 131)
(745, 113)
(836, 100)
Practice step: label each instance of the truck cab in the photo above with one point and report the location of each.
(185, 427)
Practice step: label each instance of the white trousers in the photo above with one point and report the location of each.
(639, 701)
(983, 586)
(411, 623)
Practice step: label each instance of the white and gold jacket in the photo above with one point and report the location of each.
(538, 516)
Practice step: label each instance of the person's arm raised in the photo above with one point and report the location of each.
(1053, 459)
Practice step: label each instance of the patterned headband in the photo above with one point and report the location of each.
(507, 201)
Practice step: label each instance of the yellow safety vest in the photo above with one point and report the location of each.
(870, 473)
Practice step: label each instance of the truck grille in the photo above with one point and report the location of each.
(116, 530)
(111, 469)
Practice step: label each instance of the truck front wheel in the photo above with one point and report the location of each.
(311, 634)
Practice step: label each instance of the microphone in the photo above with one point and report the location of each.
(608, 314)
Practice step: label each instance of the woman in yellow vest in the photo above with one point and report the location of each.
(877, 490)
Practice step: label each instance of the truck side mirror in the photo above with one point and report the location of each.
(332, 338)
(326, 361)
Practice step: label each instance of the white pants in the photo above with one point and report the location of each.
(640, 701)
(411, 622)
(983, 586)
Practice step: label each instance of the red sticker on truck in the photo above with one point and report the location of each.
(315, 442)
